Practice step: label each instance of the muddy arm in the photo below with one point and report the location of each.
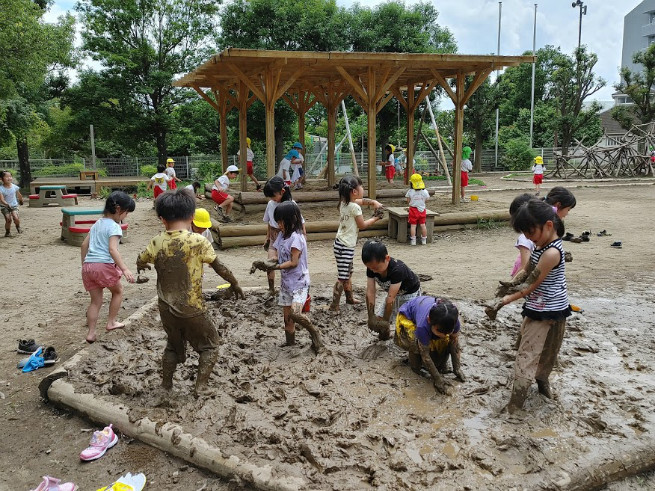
(455, 352)
(225, 273)
(510, 287)
(437, 379)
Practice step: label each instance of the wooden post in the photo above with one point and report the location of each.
(270, 138)
(332, 127)
(371, 112)
(243, 133)
(459, 131)
(409, 165)
(222, 104)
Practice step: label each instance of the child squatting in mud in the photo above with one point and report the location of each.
(179, 256)
(428, 328)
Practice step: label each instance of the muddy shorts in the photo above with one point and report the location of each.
(8, 210)
(397, 303)
(198, 331)
(540, 343)
(289, 298)
(100, 275)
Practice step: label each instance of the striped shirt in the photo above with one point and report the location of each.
(551, 295)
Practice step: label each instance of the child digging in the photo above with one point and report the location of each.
(179, 256)
(394, 277)
(428, 328)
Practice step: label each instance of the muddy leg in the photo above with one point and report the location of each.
(336, 296)
(304, 321)
(440, 360)
(544, 388)
(289, 327)
(168, 365)
(271, 282)
(206, 364)
(455, 353)
(348, 289)
(519, 394)
(415, 362)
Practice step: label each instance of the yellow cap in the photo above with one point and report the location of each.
(393, 148)
(168, 161)
(248, 141)
(201, 218)
(417, 181)
(538, 160)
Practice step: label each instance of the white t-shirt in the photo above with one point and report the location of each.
(417, 198)
(466, 165)
(285, 165)
(391, 161)
(207, 234)
(348, 229)
(268, 213)
(250, 155)
(9, 194)
(225, 184)
(99, 236)
(161, 180)
(170, 172)
(538, 169)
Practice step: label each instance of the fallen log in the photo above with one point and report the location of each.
(258, 240)
(311, 227)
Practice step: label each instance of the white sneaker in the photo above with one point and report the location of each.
(424, 240)
(412, 241)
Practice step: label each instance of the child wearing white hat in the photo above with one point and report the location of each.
(220, 195)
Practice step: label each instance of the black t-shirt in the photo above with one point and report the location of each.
(397, 272)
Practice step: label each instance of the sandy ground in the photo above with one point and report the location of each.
(605, 370)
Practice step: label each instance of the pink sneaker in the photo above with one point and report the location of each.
(100, 442)
(52, 484)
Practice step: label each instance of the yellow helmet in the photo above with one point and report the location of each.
(170, 161)
(248, 141)
(393, 148)
(538, 160)
(417, 181)
(201, 218)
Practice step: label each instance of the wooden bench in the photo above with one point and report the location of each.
(52, 195)
(74, 231)
(398, 227)
(77, 234)
(88, 175)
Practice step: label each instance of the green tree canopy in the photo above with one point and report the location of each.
(640, 87)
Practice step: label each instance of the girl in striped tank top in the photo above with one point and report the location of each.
(546, 301)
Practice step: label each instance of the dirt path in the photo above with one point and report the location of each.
(45, 300)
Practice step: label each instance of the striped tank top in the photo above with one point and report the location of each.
(550, 300)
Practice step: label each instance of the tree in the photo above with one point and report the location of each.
(142, 45)
(640, 87)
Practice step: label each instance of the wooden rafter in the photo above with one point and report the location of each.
(246, 80)
(444, 84)
(479, 79)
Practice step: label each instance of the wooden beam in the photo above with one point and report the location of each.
(388, 82)
(246, 80)
(479, 79)
(202, 94)
(243, 132)
(270, 130)
(371, 112)
(444, 84)
(357, 87)
(459, 131)
(409, 164)
(289, 82)
(398, 94)
(383, 102)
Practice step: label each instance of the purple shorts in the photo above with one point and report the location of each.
(100, 275)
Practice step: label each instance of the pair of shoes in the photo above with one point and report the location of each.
(617, 245)
(585, 236)
(53, 484)
(568, 236)
(40, 358)
(576, 240)
(603, 233)
(27, 346)
(101, 441)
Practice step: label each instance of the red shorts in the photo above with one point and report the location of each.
(157, 191)
(537, 179)
(249, 168)
(652, 159)
(100, 275)
(416, 217)
(389, 171)
(172, 184)
(219, 197)
(465, 178)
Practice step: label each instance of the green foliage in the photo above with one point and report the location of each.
(518, 154)
(60, 170)
(104, 192)
(148, 170)
(142, 190)
(208, 171)
(641, 89)
(487, 224)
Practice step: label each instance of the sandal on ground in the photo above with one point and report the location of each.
(603, 233)
(53, 484)
(617, 245)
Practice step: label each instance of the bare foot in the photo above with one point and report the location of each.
(117, 325)
(91, 339)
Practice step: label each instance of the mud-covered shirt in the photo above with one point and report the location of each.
(292, 279)
(397, 272)
(417, 310)
(178, 257)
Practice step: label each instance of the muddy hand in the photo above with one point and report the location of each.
(442, 386)
(238, 292)
(266, 266)
(377, 324)
(378, 213)
(142, 279)
(568, 257)
(140, 268)
(492, 310)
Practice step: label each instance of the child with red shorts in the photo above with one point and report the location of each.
(250, 170)
(416, 197)
(538, 173)
(220, 196)
(159, 182)
(390, 163)
(465, 167)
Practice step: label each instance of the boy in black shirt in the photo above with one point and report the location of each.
(394, 277)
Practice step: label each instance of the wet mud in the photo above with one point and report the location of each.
(355, 416)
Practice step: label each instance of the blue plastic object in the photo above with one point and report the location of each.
(35, 361)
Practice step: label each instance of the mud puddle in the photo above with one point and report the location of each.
(355, 416)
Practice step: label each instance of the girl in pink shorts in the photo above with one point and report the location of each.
(102, 265)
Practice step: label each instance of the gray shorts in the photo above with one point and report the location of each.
(288, 298)
(8, 210)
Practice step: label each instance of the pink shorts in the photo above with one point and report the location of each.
(218, 197)
(100, 275)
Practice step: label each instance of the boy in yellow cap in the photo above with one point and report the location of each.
(416, 197)
(538, 173)
(170, 172)
(202, 224)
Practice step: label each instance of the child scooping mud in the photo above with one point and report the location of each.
(178, 256)
(547, 305)
(428, 328)
(394, 277)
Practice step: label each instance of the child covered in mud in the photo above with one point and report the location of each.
(351, 197)
(291, 247)
(179, 256)
(10, 198)
(428, 328)
(393, 277)
(102, 264)
(546, 301)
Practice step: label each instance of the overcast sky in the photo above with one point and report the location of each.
(474, 23)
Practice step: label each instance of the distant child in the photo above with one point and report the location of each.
(170, 172)
(202, 224)
(465, 167)
(428, 328)
(277, 192)
(220, 195)
(389, 163)
(102, 265)
(179, 256)
(250, 169)
(538, 173)
(297, 171)
(562, 200)
(394, 277)
(10, 198)
(351, 194)
(547, 304)
(160, 181)
(291, 247)
(284, 171)
(416, 197)
(194, 187)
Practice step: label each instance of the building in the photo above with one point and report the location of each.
(638, 32)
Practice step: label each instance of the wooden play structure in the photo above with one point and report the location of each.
(74, 231)
(87, 185)
(235, 78)
(52, 195)
(630, 158)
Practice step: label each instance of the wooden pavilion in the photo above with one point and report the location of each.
(237, 77)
